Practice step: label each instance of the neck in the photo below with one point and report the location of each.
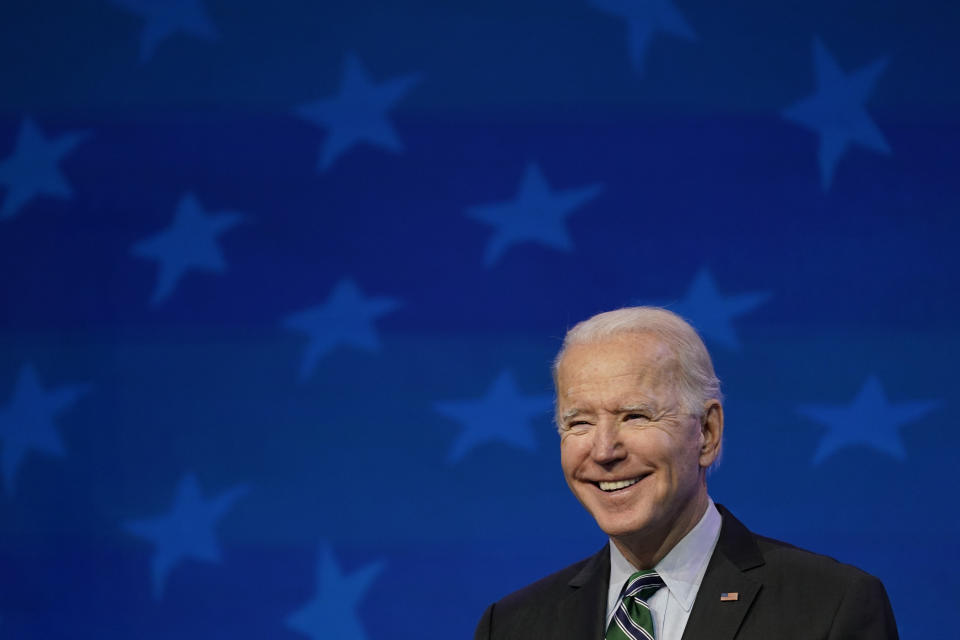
(645, 549)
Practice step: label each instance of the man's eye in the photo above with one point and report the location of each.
(578, 424)
(636, 416)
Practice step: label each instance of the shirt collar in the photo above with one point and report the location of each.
(682, 569)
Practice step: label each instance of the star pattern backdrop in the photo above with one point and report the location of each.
(283, 283)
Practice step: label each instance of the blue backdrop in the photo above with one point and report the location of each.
(282, 282)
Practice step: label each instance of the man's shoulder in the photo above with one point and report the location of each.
(794, 560)
(548, 587)
(794, 578)
(787, 586)
(565, 604)
(783, 557)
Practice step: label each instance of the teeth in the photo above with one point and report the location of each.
(619, 484)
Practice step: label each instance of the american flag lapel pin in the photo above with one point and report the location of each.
(729, 597)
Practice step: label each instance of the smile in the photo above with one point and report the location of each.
(616, 485)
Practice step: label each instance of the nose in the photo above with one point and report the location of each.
(607, 447)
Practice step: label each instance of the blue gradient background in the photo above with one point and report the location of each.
(173, 469)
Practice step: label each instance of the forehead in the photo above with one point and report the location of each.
(631, 363)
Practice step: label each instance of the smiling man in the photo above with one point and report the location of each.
(640, 416)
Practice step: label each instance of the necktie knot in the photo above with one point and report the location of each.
(642, 584)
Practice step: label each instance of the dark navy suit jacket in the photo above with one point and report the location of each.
(783, 593)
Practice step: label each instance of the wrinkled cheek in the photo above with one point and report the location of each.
(660, 491)
(573, 453)
(569, 466)
(683, 480)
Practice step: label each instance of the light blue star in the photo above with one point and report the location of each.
(358, 113)
(187, 532)
(346, 318)
(27, 421)
(190, 242)
(536, 214)
(333, 612)
(33, 169)
(163, 18)
(870, 420)
(836, 111)
(644, 18)
(711, 312)
(502, 415)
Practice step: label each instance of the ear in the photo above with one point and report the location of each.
(711, 432)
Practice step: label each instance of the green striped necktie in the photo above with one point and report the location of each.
(633, 619)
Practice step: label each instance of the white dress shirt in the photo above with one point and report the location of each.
(682, 570)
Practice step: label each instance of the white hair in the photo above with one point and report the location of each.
(695, 376)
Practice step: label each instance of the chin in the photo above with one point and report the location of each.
(617, 526)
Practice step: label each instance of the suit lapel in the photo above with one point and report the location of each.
(736, 553)
(580, 615)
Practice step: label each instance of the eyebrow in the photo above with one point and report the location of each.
(635, 407)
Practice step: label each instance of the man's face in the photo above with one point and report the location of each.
(630, 452)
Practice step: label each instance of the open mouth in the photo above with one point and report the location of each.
(618, 485)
